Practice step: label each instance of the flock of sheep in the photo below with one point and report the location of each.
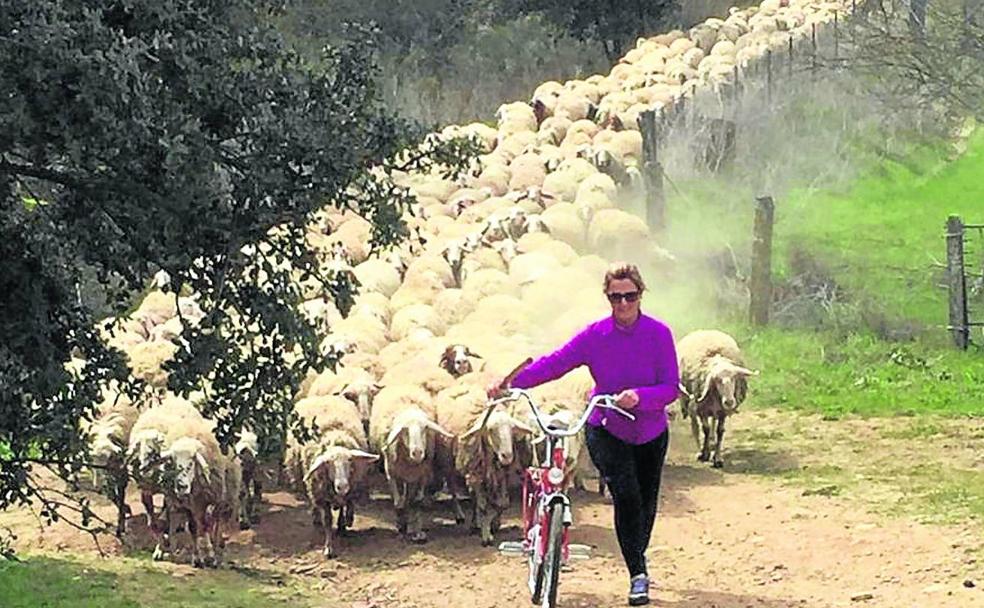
(506, 253)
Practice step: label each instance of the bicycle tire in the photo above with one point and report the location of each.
(551, 561)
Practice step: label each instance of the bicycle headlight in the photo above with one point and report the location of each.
(555, 475)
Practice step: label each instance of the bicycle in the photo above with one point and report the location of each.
(547, 512)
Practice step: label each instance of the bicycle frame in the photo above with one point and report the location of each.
(544, 485)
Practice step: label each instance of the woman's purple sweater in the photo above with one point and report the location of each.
(641, 357)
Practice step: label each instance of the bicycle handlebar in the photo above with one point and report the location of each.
(604, 401)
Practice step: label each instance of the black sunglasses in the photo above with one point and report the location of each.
(628, 296)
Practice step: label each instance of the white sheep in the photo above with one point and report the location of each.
(566, 225)
(483, 456)
(404, 430)
(377, 275)
(146, 359)
(415, 316)
(714, 382)
(107, 437)
(331, 468)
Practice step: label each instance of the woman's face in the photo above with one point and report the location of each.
(625, 298)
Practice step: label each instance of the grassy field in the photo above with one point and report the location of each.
(878, 346)
(45, 582)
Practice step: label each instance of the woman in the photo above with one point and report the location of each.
(630, 355)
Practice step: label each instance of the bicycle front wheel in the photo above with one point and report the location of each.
(551, 560)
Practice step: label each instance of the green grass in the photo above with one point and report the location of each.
(882, 236)
(46, 582)
(860, 374)
(881, 347)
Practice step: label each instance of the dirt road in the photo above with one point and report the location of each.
(722, 540)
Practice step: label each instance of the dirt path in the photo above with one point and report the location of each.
(723, 540)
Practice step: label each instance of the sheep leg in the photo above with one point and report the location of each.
(399, 504)
(200, 523)
(485, 516)
(454, 486)
(473, 525)
(216, 541)
(246, 500)
(705, 450)
(695, 428)
(415, 524)
(119, 498)
(195, 528)
(346, 517)
(326, 522)
(256, 497)
(162, 539)
(717, 461)
(147, 499)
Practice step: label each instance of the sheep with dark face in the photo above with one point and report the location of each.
(714, 382)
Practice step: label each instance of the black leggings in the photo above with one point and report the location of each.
(632, 474)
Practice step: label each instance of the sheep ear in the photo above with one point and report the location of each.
(439, 429)
(475, 428)
(206, 470)
(469, 353)
(394, 434)
(683, 391)
(744, 371)
(320, 460)
(707, 387)
(359, 454)
(523, 428)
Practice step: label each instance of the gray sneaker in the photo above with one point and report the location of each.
(639, 590)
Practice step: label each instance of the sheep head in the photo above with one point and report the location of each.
(416, 432)
(361, 392)
(339, 466)
(495, 230)
(145, 448)
(455, 360)
(721, 376)
(187, 457)
(507, 250)
(104, 439)
(499, 431)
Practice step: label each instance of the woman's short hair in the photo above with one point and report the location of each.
(624, 270)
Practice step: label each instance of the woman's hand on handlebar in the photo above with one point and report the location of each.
(497, 388)
(627, 399)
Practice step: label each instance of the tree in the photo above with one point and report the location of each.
(424, 30)
(932, 55)
(184, 135)
(614, 24)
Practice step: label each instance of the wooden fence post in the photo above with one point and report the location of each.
(652, 171)
(790, 70)
(813, 45)
(957, 281)
(768, 74)
(761, 279)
